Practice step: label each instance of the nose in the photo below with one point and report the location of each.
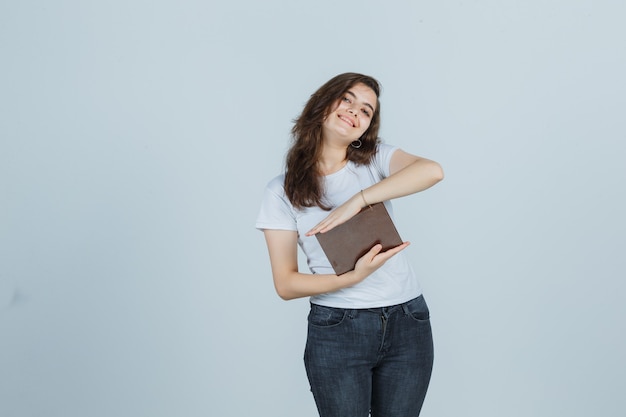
(353, 111)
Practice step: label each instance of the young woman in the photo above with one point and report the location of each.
(369, 345)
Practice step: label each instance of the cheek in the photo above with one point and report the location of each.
(332, 109)
(365, 124)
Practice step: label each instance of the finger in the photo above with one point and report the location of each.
(391, 252)
(398, 248)
(328, 226)
(331, 223)
(374, 251)
(317, 229)
(323, 226)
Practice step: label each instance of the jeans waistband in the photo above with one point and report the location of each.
(380, 310)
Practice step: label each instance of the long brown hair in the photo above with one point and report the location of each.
(303, 184)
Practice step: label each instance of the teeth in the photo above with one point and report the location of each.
(347, 120)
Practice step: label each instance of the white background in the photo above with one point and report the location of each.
(136, 138)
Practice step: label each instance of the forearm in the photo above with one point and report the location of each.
(418, 176)
(293, 284)
(289, 282)
(409, 178)
(296, 285)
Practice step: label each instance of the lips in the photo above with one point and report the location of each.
(347, 120)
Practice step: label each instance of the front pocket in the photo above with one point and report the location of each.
(418, 309)
(321, 316)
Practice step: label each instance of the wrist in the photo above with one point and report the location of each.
(363, 200)
(353, 277)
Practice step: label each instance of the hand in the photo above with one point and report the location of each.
(340, 215)
(374, 259)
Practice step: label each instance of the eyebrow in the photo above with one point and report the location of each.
(365, 102)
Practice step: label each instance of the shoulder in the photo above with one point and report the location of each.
(276, 211)
(385, 149)
(277, 184)
(381, 160)
(275, 194)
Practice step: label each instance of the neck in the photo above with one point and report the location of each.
(333, 158)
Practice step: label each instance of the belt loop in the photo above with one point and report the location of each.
(405, 308)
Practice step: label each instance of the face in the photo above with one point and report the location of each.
(351, 115)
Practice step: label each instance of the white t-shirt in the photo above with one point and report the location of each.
(393, 283)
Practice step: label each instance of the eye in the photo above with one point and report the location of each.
(365, 112)
(347, 100)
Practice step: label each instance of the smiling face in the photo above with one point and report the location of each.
(351, 115)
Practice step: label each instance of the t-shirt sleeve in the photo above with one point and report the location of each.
(276, 211)
(382, 159)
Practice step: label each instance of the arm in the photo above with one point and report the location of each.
(409, 174)
(290, 284)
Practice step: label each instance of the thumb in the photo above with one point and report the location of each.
(375, 250)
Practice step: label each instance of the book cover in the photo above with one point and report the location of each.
(346, 243)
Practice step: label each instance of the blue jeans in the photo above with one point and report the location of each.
(376, 360)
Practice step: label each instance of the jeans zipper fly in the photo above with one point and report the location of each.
(383, 320)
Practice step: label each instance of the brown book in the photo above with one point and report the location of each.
(346, 243)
